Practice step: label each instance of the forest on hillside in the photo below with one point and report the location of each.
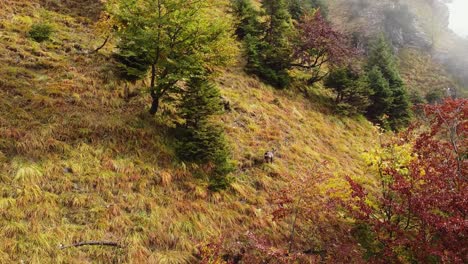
(231, 131)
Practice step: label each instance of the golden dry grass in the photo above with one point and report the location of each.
(78, 162)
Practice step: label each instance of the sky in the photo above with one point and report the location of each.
(459, 17)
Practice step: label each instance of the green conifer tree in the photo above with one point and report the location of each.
(297, 8)
(249, 29)
(201, 139)
(266, 45)
(400, 111)
(381, 56)
(352, 90)
(381, 98)
(339, 80)
(277, 50)
(248, 23)
(394, 103)
(132, 64)
(169, 40)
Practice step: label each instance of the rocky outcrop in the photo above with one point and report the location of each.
(368, 18)
(404, 29)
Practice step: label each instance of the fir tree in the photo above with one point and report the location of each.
(382, 98)
(352, 90)
(201, 140)
(168, 39)
(276, 49)
(266, 45)
(132, 64)
(395, 102)
(298, 8)
(339, 80)
(381, 56)
(278, 24)
(249, 29)
(248, 19)
(400, 110)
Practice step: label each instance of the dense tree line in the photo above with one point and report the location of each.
(295, 36)
(377, 90)
(177, 43)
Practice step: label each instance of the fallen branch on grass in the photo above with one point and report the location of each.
(92, 243)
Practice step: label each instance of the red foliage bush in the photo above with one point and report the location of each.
(422, 215)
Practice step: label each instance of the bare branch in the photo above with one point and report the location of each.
(92, 243)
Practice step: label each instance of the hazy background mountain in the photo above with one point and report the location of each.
(421, 26)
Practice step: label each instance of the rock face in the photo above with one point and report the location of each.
(367, 18)
(404, 29)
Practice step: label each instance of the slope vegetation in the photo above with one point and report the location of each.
(80, 163)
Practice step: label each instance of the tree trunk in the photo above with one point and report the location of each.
(126, 92)
(154, 94)
(338, 98)
(154, 105)
(293, 225)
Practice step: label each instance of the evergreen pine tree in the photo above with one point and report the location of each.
(266, 45)
(248, 19)
(201, 140)
(132, 64)
(381, 56)
(297, 8)
(381, 98)
(382, 63)
(249, 29)
(339, 79)
(276, 51)
(357, 97)
(252, 48)
(352, 90)
(400, 110)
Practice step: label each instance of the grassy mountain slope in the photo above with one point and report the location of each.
(79, 163)
(421, 74)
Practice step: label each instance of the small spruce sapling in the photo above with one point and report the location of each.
(40, 32)
(201, 139)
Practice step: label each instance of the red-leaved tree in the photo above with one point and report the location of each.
(317, 44)
(419, 213)
(309, 226)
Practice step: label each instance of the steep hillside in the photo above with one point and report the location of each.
(422, 76)
(80, 163)
(418, 31)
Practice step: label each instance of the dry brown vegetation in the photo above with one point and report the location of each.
(421, 74)
(80, 163)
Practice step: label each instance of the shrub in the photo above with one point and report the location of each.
(435, 96)
(40, 32)
(417, 214)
